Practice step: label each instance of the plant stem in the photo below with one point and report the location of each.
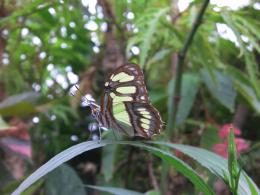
(175, 97)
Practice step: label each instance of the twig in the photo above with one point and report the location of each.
(151, 173)
(175, 97)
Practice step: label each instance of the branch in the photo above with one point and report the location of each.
(175, 97)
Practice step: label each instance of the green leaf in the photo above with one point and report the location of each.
(3, 124)
(73, 151)
(108, 156)
(251, 65)
(33, 7)
(146, 44)
(160, 55)
(232, 161)
(244, 88)
(214, 163)
(19, 105)
(63, 180)
(190, 86)
(232, 157)
(221, 88)
(153, 192)
(253, 189)
(115, 191)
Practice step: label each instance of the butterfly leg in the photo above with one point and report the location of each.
(99, 130)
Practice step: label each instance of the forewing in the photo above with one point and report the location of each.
(127, 81)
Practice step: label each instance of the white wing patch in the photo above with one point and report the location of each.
(122, 77)
(145, 126)
(145, 120)
(126, 90)
(119, 99)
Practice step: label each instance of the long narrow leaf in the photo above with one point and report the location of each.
(115, 191)
(73, 151)
(214, 163)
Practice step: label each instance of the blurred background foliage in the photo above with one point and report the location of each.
(46, 47)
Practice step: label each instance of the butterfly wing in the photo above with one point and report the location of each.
(128, 81)
(145, 119)
(125, 105)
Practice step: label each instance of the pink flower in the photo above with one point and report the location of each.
(241, 144)
(222, 147)
(224, 131)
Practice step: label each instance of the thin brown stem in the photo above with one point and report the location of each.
(176, 95)
(151, 173)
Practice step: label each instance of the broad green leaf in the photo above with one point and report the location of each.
(214, 163)
(21, 104)
(73, 151)
(190, 86)
(63, 180)
(222, 89)
(115, 191)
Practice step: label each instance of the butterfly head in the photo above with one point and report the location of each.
(107, 87)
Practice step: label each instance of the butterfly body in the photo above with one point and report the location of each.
(125, 104)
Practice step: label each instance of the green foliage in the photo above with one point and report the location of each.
(63, 180)
(22, 104)
(221, 88)
(85, 146)
(116, 191)
(190, 87)
(214, 163)
(48, 46)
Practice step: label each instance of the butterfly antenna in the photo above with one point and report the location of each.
(92, 106)
(90, 103)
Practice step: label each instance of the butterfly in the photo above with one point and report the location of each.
(125, 105)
